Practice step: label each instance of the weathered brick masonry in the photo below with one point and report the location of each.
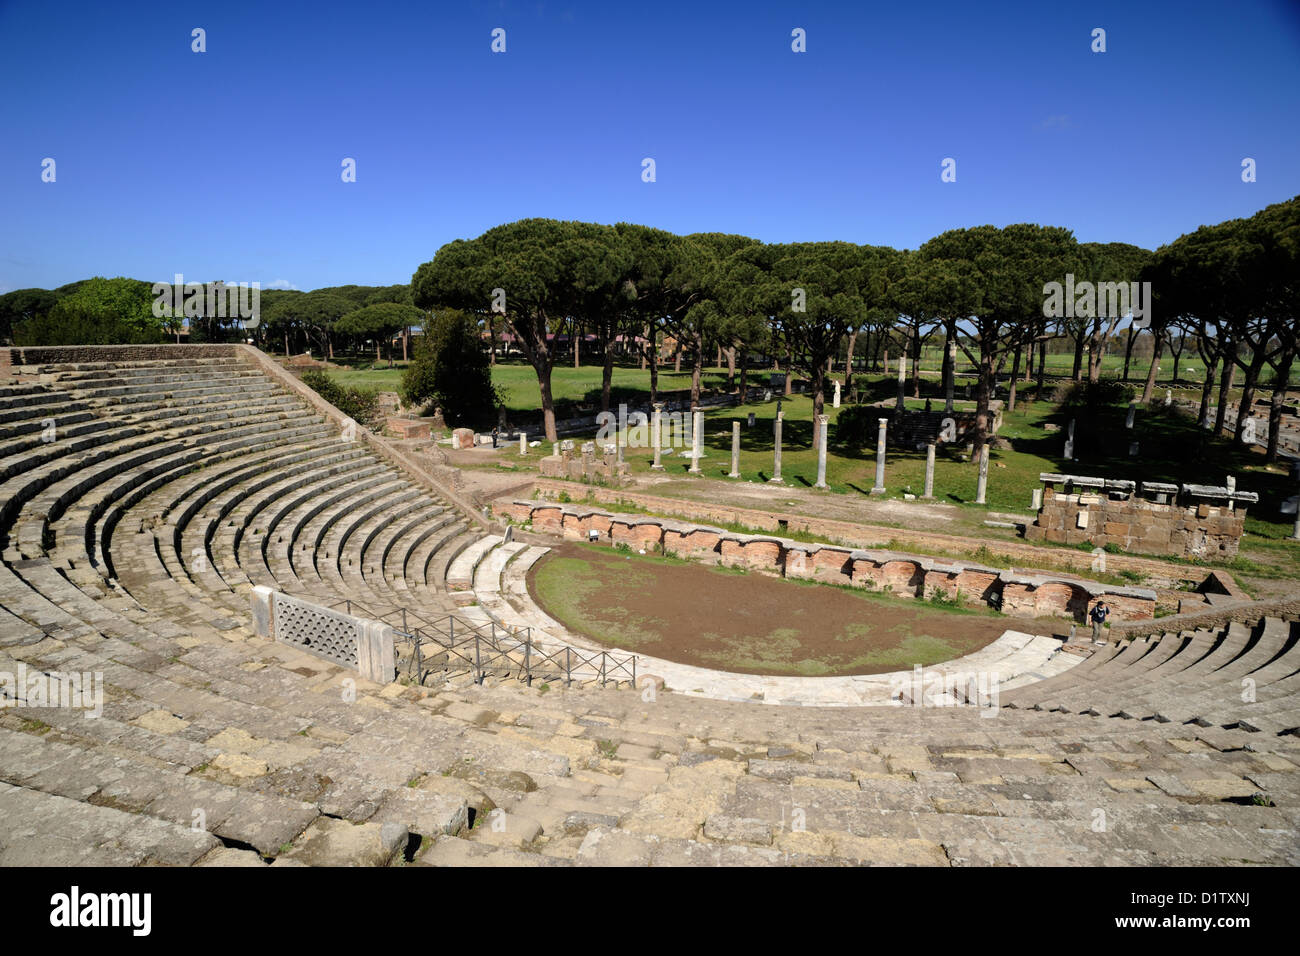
(1190, 521)
(904, 575)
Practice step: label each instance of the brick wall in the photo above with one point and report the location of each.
(1200, 530)
(903, 575)
(855, 535)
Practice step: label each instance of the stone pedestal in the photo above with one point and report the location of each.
(735, 450)
(879, 487)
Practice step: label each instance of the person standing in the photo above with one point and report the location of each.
(1098, 616)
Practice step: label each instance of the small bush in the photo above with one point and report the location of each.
(359, 404)
(856, 426)
(1093, 395)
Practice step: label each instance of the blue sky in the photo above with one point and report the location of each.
(226, 164)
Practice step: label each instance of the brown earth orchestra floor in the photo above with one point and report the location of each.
(753, 623)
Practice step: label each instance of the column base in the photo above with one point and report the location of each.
(775, 481)
(733, 474)
(656, 467)
(820, 484)
(927, 498)
(877, 491)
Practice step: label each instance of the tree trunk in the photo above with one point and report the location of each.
(744, 386)
(677, 357)
(654, 374)
(1015, 379)
(543, 370)
(731, 369)
(1150, 385)
(1207, 389)
(1095, 352)
(492, 341)
(695, 372)
(789, 373)
(819, 399)
(987, 373)
(607, 374)
(916, 364)
(1128, 352)
(1042, 370)
(1283, 370)
(949, 367)
(575, 335)
(848, 364)
(646, 345)
(1225, 386)
(1077, 374)
(1248, 389)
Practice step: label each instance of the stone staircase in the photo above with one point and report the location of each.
(139, 503)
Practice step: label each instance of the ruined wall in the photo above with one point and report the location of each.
(1198, 530)
(903, 575)
(584, 465)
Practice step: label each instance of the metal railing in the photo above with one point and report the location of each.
(454, 644)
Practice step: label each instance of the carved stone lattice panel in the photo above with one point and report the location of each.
(330, 634)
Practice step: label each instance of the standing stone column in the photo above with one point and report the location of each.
(902, 378)
(1169, 396)
(1132, 411)
(879, 488)
(735, 450)
(523, 444)
(1232, 489)
(776, 448)
(656, 436)
(983, 486)
(1069, 442)
(836, 402)
(823, 422)
(697, 440)
(929, 471)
